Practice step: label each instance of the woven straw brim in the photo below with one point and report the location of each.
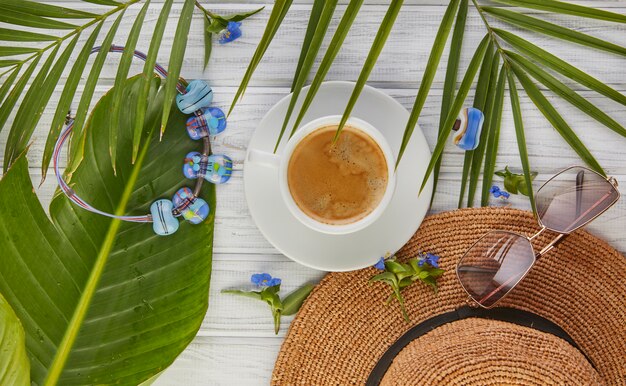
(344, 326)
(489, 352)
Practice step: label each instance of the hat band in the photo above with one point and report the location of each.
(504, 314)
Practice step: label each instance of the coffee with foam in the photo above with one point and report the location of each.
(339, 183)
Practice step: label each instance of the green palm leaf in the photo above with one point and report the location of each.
(6, 85)
(566, 8)
(148, 70)
(179, 46)
(449, 85)
(14, 365)
(77, 144)
(304, 70)
(480, 98)
(493, 137)
(479, 153)
(429, 74)
(276, 18)
(11, 16)
(65, 100)
(23, 36)
(565, 92)
(102, 301)
(314, 17)
(16, 92)
(10, 51)
(9, 63)
(44, 10)
(122, 74)
(34, 102)
(331, 52)
(550, 29)
(377, 46)
(521, 138)
(547, 59)
(557, 121)
(464, 88)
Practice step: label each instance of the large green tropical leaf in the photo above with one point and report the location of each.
(14, 364)
(103, 301)
(567, 8)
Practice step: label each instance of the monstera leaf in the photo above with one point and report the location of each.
(103, 301)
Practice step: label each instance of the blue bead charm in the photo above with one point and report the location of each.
(199, 95)
(208, 121)
(193, 209)
(468, 126)
(216, 169)
(163, 221)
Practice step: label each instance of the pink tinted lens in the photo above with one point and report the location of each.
(494, 265)
(573, 198)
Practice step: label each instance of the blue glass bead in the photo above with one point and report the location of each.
(193, 209)
(216, 169)
(468, 127)
(199, 95)
(210, 121)
(163, 221)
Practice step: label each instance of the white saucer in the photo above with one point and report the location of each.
(356, 250)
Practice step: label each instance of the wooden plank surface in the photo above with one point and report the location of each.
(236, 344)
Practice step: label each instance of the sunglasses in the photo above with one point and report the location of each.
(499, 260)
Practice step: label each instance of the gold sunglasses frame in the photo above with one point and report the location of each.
(537, 255)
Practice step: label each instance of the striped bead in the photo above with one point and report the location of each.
(208, 121)
(163, 221)
(193, 209)
(215, 168)
(468, 127)
(199, 95)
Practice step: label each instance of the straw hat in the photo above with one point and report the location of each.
(564, 324)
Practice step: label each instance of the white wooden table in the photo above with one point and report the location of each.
(236, 344)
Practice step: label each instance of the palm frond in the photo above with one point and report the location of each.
(176, 58)
(567, 9)
(429, 74)
(120, 78)
(449, 84)
(565, 92)
(372, 57)
(464, 88)
(521, 138)
(479, 153)
(331, 52)
(281, 7)
(16, 92)
(148, 70)
(311, 28)
(557, 121)
(559, 65)
(65, 100)
(77, 144)
(480, 98)
(493, 137)
(554, 30)
(13, 35)
(303, 71)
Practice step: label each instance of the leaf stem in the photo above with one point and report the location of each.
(492, 34)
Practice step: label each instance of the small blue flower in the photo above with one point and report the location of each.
(230, 33)
(380, 264)
(264, 280)
(497, 193)
(430, 259)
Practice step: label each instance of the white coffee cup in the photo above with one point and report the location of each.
(281, 162)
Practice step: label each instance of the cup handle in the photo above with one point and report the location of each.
(263, 158)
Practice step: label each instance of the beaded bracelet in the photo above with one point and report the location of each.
(193, 98)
